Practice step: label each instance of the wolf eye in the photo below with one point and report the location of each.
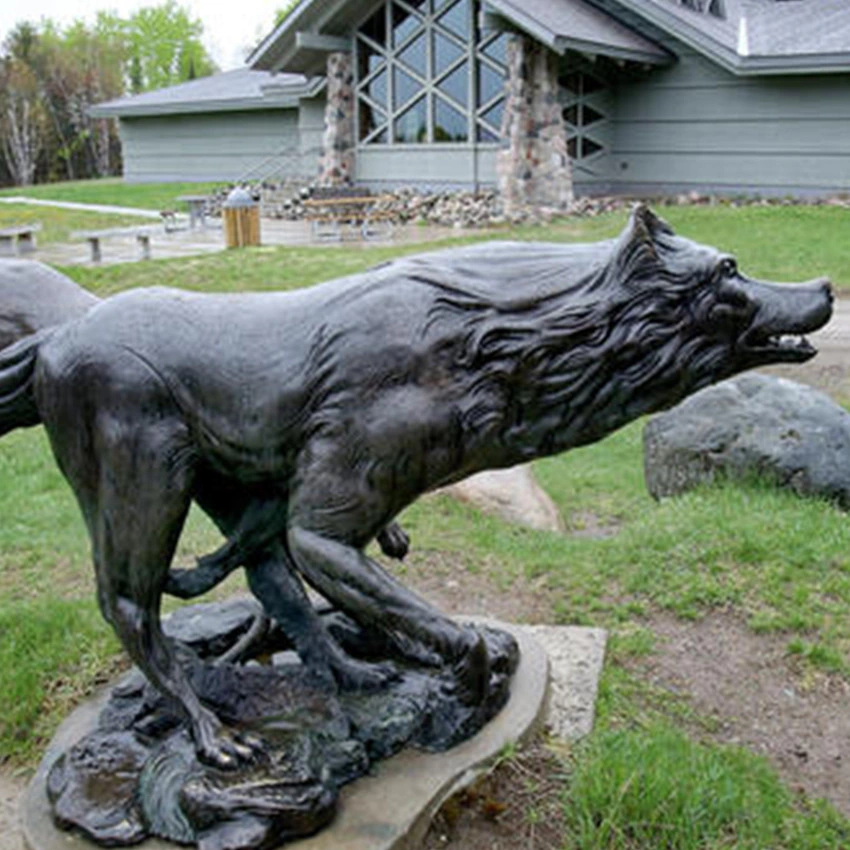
(728, 267)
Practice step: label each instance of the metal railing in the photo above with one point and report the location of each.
(290, 162)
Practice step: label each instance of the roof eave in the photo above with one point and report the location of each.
(730, 59)
(833, 63)
(263, 56)
(564, 43)
(561, 43)
(288, 101)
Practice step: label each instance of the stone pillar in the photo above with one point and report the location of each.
(534, 168)
(336, 167)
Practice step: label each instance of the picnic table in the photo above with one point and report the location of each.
(197, 209)
(95, 237)
(18, 239)
(329, 211)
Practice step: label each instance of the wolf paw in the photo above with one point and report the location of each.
(223, 748)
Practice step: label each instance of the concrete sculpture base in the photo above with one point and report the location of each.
(393, 808)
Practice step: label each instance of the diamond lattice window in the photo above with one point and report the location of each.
(583, 115)
(427, 75)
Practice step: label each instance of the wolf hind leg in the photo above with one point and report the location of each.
(263, 521)
(135, 517)
(272, 579)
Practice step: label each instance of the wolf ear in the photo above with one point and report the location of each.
(644, 224)
(636, 251)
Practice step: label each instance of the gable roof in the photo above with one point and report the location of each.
(752, 37)
(576, 25)
(755, 36)
(560, 24)
(241, 89)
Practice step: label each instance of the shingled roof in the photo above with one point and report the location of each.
(242, 89)
(753, 36)
(577, 25)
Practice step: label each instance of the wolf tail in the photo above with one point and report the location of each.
(17, 371)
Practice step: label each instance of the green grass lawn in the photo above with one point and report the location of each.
(640, 781)
(114, 192)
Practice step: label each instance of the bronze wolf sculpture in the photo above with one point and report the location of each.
(303, 422)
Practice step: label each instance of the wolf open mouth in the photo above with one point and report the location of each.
(785, 347)
(783, 315)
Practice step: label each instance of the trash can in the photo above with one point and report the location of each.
(241, 215)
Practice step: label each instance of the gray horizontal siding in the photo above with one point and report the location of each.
(208, 147)
(434, 166)
(694, 126)
(311, 128)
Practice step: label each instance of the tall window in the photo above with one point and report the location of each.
(427, 75)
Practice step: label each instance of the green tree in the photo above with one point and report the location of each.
(22, 120)
(165, 47)
(282, 12)
(50, 77)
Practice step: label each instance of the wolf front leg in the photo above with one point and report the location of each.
(326, 546)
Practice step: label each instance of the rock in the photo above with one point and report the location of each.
(754, 424)
(512, 494)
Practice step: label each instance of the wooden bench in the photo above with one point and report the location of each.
(18, 239)
(95, 237)
(328, 210)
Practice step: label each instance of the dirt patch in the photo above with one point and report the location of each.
(11, 788)
(759, 699)
(444, 580)
(518, 805)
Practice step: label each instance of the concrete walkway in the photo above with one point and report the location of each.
(73, 205)
(123, 248)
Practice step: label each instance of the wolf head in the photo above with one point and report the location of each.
(682, 315)
(574, 341)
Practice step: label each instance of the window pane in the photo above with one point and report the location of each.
(420, 5)
(370, 119)
(456, 85)
(376, 27)
(590, 116)
(404, 24)
(405, 87)
(490, 84)
(498, 49)
(493, 116)
(415, 56)
(571, 115)
(572, 147)
(376, 89)
(449, 124)
(589, 147)
(412, 126)
(484, 135)
(456, 19)
(368, 59)
(445, 53)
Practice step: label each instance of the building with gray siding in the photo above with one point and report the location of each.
(542, 97)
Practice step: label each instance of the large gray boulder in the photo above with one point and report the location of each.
(34, 296)
(754, 424)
